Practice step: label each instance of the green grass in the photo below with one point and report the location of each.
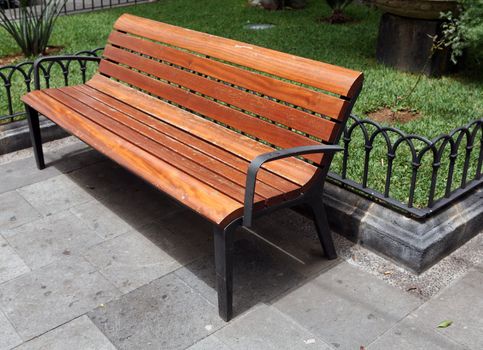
(444, 103)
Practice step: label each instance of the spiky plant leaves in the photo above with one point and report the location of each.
(33, 27)
(338, 5)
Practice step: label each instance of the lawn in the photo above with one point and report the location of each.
(444, 103)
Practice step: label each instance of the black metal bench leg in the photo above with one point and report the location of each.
(224, 269)
(35, 137)
(323, 230)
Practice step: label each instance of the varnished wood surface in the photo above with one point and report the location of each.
(276, 112)
(324, 104)
(236, 143)
(206, 200)
(188, 111)
(134, 139)
(321, 75)
(233, 118)
(175, 135)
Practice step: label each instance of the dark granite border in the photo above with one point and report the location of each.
(415, 244)
(15, 136)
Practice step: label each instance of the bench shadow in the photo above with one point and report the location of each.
(281, 253)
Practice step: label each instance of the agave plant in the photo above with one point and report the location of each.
(338, 7)
(32, 28)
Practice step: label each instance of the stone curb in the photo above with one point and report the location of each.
(15, 136)
(415, 244)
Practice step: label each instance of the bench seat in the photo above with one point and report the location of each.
(199, 163)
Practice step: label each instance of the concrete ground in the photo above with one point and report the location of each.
(93, 258)
(83, 6)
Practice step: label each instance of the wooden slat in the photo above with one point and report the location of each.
(182, 163)
(266, 177)
(324, 104)
(183, 150)
(296, 119)
(209, 202)
(321, 75)
(292, 169)
(251, 125)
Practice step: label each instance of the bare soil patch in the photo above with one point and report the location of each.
(9, 59)
(388, 116)
(337, 17)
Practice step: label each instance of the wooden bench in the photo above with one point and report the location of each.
(229, 129)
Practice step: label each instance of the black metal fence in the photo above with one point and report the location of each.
(18, 79)
(409, 173)
(436, 171)
(72, 6)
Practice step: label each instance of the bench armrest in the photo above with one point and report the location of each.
(256, 164)
(38, 62)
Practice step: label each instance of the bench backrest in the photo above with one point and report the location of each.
(276, 98)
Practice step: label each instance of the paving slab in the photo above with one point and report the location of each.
(23, 172)
(102, 220)
(188, 224)
(78, 334)
(103, 178)
(267, 328)
(412, 334)
(461, 303)
(138, 203)
(209, 343)
(73, 156)
(295, 237)
(15, 210)
(257, 276)
(39, 301)
(347, 308)
(11, 265)
(330, 302)
(9, 338)
(131, 260)
(165, 314)
(182, 234)
(41, 242)
(55, 194)
(479, 267)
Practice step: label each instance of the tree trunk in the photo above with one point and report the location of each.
(407, 44)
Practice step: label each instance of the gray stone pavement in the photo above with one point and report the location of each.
(93, 258)
(82, 6)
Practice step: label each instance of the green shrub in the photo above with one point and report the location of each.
(464, 30)
(32, 30)
(338, 7)
(281, 4)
